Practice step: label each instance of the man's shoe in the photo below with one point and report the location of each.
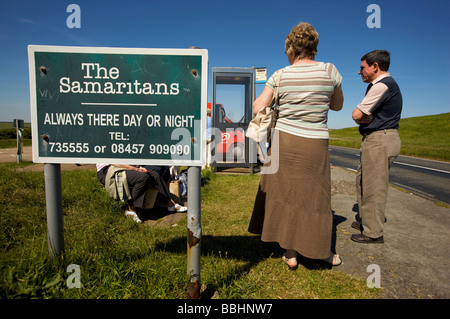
(361, 238)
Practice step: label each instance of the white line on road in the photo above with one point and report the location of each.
(417, 166)
(428, 168)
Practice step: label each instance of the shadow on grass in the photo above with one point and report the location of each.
(246, 248)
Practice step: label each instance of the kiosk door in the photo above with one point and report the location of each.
(232, 111)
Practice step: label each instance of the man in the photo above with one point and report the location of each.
(377, 115)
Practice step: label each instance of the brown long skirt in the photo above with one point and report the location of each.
(293, 205)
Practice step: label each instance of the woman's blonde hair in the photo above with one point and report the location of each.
(303, 40)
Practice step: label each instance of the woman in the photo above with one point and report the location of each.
(293, 205)
(139, 179)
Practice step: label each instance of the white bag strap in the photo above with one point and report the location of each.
(276, 90)
(276, 95)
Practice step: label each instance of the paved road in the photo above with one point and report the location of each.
(414, 260)
(421, 176)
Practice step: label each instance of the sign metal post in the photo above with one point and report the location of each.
(53, 199)
(19, 125)
(194, 230)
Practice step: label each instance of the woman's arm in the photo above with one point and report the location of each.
(337, 99)
(265, 99)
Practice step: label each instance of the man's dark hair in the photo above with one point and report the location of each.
(382, 57)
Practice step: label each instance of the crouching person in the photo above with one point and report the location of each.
(130, 184)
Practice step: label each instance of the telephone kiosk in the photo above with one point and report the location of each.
(232, 110)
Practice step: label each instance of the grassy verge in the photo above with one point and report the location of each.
(12, 143)
(425, 136)
(121, 259)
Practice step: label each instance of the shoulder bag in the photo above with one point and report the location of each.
(259, 129)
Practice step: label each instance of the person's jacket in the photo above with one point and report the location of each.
(116, 184)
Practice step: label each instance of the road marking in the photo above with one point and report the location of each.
(417, 166)
(428, 168)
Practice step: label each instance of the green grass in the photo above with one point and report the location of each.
(8, 135)
(121, 259)
(424, 136)
(8, 125)
(12, 143)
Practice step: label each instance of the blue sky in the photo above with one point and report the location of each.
(242, 33)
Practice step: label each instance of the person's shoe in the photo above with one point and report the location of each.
(291, 262)
(177, 208)
(335, 260)
(361, 238)
(131, 214)
(357, 226)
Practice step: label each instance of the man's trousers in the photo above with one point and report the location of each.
(378, 151)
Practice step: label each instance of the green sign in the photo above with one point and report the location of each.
(118, 105)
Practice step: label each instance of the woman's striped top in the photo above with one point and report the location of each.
(305, 95)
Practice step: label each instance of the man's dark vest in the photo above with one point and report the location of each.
(386, 112)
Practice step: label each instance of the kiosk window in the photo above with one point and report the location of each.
(231, 98)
